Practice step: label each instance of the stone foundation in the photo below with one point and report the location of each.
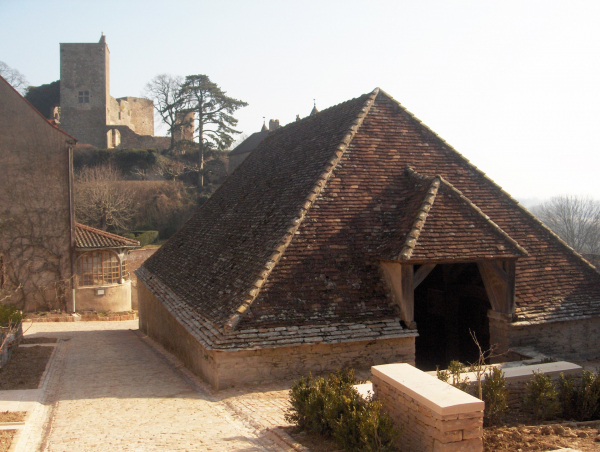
(432, 415)
(224, 369)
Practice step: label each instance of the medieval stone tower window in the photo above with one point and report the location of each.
(84, 97)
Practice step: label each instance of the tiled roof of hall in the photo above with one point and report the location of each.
(441, 225)
(89, 238)
(329, 195)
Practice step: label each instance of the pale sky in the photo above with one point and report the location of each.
(512, 85)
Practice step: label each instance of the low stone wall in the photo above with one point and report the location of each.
(432, 415)
(224, 369)
(115, 298)
(573, 340)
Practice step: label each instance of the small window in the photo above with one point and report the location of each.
(84, 97)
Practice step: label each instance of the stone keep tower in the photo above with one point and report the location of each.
(85, 91)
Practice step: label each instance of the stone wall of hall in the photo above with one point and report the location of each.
(271, 364)
(222, 369)
(158, 323)
(571, 340)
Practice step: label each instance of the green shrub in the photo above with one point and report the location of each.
(365, 427)
(567, 396)
(541, 397)
(9, 315)
(455, 369)
(588, 396)
(126, 159)
(494, 395)
(144, 237)
(332, 408)
(580, 401)
(443, 375)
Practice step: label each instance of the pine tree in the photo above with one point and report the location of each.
(214, 114)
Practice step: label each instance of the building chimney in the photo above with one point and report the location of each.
(273, 124)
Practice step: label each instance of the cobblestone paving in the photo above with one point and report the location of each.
(110, 390)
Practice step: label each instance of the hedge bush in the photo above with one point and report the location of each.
(541, 398)
(579, 400)
(494, 395)
(332, 408)
(144, 237)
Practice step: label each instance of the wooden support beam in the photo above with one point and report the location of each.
(399, 278)
(421, 274)
(499, 284)
(408, 293)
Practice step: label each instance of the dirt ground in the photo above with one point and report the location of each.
(541, 438)
(516, 439)
(312, 441)
(25, 368)
(12, 416)
(39, 340)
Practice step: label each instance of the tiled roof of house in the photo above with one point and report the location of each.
(250, 143)
(330, 197)
(87, 237)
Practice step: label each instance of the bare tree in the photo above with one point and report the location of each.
(102, 199)
(172, 169)
(165, 91)
(576, 219)
(14, 77)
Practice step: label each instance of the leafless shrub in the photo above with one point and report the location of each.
(102, 199)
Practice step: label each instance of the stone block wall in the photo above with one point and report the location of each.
(132, 140)
(222, 369)
(279, 363)
(84, 67)
(577, 339)
(141, 113)
(574, 339)
(432, 415)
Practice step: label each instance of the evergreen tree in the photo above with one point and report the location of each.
(44, 97)
(214, 114)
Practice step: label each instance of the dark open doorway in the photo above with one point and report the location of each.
(451, 301)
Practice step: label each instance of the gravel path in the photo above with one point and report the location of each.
(109, 389)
